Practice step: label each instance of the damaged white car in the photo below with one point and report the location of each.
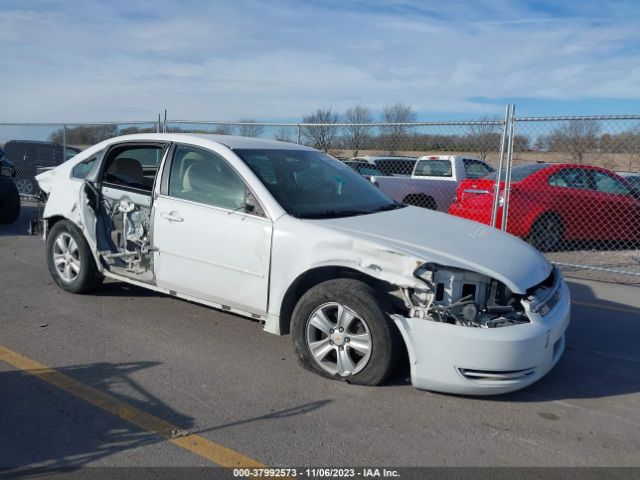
(286, 235)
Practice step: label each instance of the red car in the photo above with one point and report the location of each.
(551, 203)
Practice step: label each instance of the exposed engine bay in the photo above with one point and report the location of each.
(464, 298)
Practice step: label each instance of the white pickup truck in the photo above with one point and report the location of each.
(434, 180)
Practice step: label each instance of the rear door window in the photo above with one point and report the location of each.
(134, 166)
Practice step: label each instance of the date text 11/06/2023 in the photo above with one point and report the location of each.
(316, 472)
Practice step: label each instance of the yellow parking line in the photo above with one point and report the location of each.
(211, 451)
(606, 307)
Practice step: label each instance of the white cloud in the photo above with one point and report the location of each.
(281, 60)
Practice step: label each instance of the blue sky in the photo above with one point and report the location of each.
(277, 60)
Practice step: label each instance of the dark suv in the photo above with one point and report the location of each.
(27, 156)
(9, 196)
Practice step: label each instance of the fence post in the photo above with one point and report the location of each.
(507, 173)
(299, 132)
(496, 187)
(64, 139)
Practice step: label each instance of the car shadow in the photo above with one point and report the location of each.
(47, 430)
(115, 288)
(602, 357)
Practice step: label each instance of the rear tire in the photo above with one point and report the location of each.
(547, 233)
(341, 330)
(70, 260)
(9, 201)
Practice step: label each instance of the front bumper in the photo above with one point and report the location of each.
(485, 361)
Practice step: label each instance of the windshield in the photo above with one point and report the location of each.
(310, 184)
(519, 173)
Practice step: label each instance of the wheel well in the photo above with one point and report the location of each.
(420, 200)
(315, 276)
(51, 221)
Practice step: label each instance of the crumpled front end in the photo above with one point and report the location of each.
(468, 334)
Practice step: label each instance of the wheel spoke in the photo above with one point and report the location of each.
(60, 243)
(345, 317)
(58, 259)
(360, 342)
(67, 271)
(345, 365)
(73, 246)
(320, 349)
(75, 266)
(322, 323)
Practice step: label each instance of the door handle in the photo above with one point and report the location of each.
(171, 216)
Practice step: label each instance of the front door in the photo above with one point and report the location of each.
(207, 244)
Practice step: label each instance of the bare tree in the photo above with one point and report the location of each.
(223, 129)
(357, 132)
(396, 114)
(284, 134)
(85, 134)
(251, 128)
(321, 135)
(577, 137)
(484, 137)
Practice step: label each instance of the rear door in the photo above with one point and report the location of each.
(207, 244)
(119, 176)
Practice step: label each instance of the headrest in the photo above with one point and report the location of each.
(129, 167)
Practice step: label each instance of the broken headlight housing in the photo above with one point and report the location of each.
(465, 298)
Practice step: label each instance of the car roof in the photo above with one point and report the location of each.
(231, 141)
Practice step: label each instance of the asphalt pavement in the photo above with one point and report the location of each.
(220, 379)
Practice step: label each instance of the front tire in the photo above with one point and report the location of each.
(341, 330)
(69, 259)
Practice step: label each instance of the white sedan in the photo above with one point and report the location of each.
(288, 236)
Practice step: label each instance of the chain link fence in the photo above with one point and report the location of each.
(582, 205)
(31, 146)
(558, 186)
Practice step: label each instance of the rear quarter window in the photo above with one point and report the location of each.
(81, 170)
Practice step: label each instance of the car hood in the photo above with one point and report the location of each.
(450, 241)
